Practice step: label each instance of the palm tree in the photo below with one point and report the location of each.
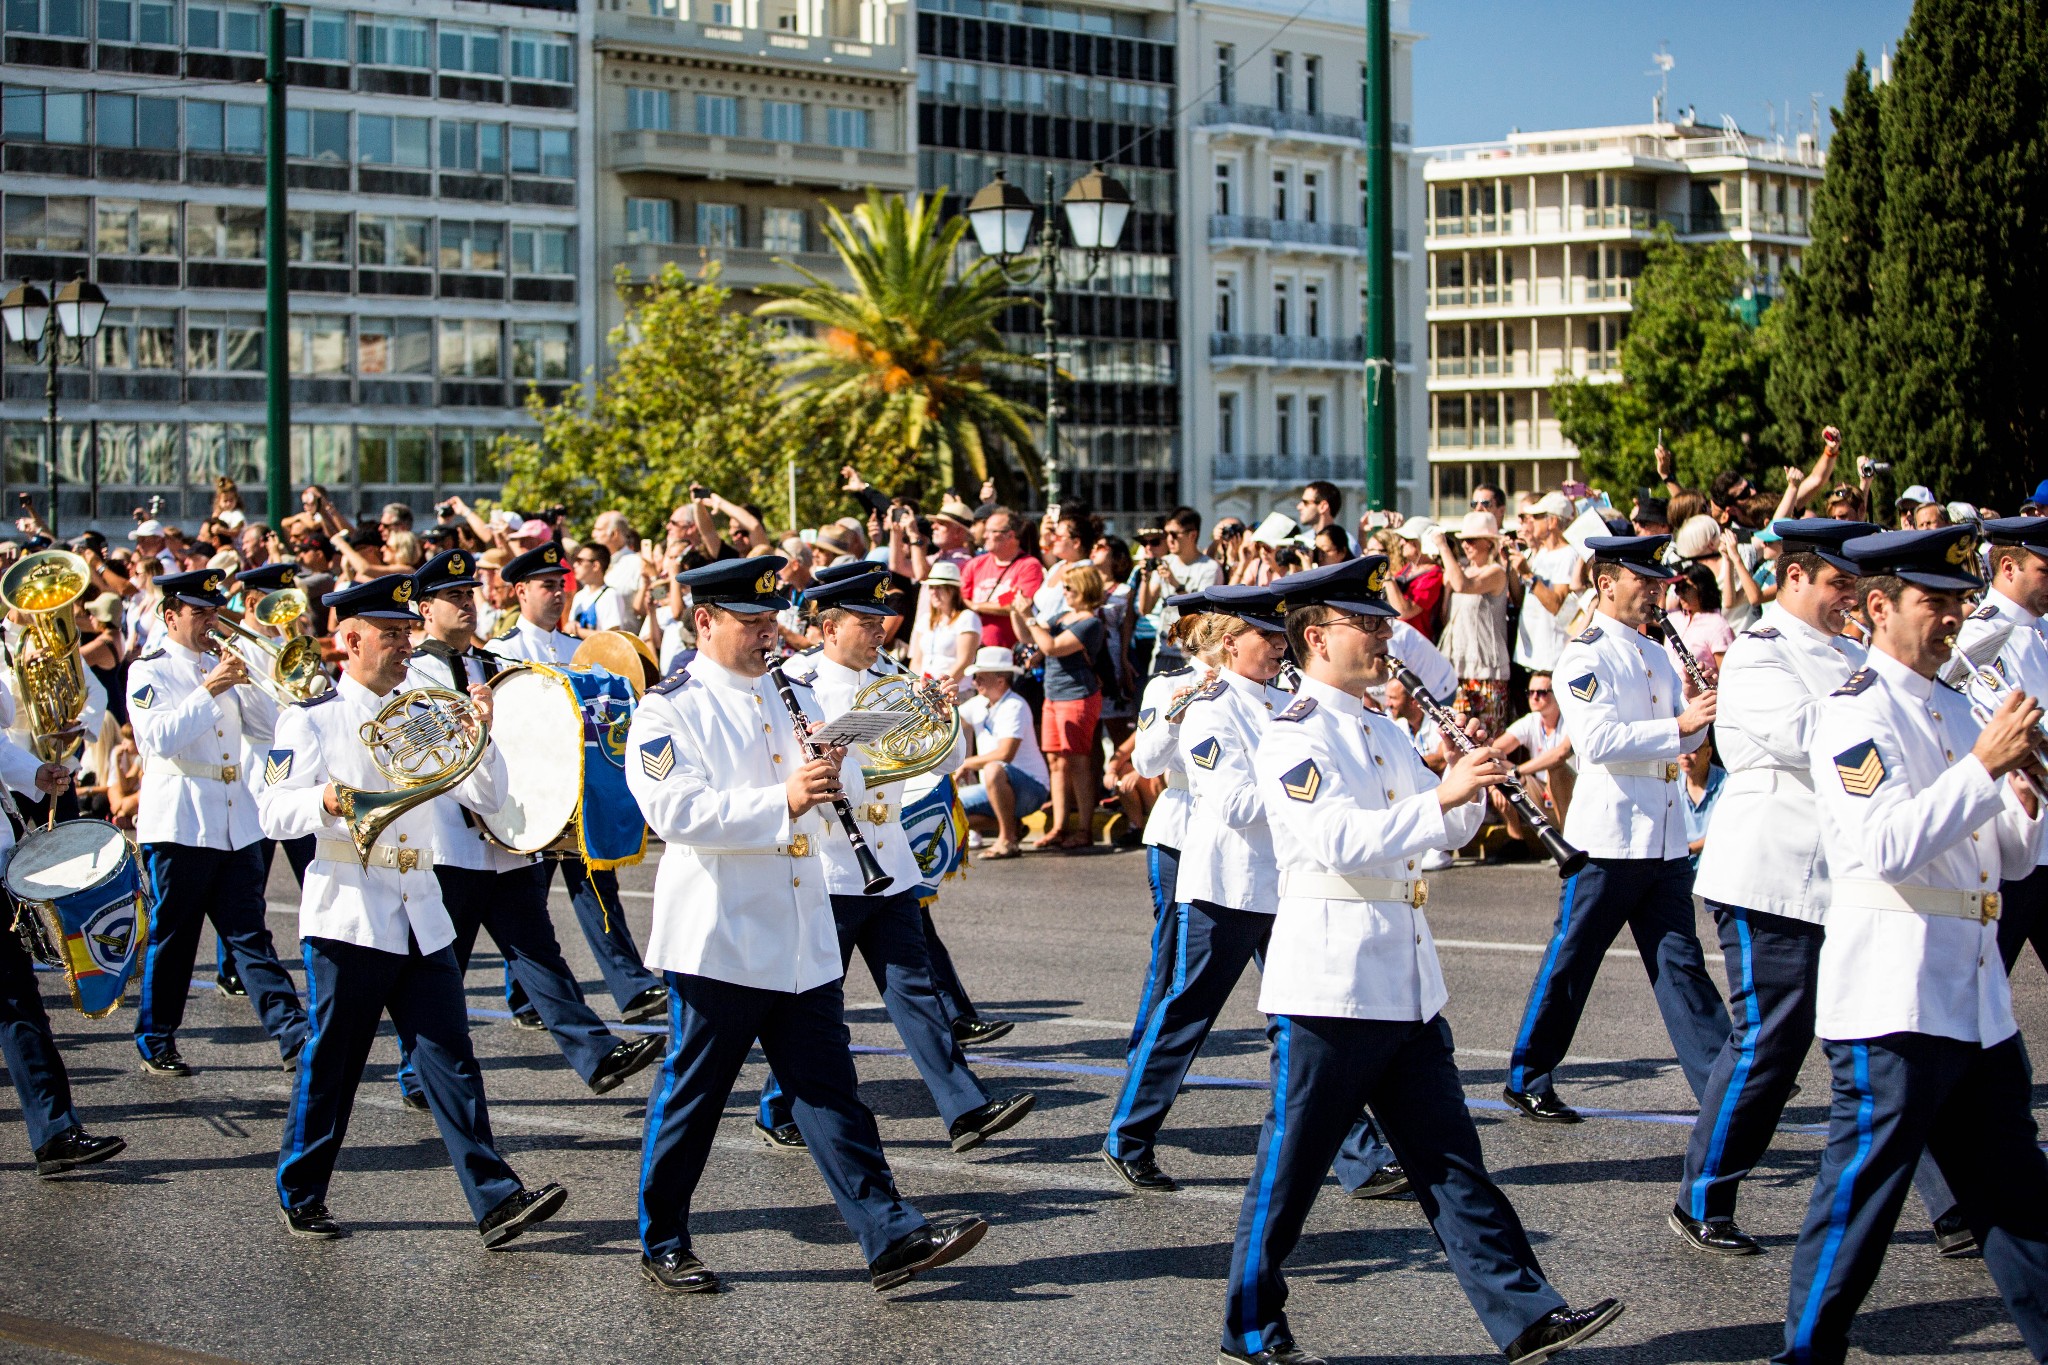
(898, 365)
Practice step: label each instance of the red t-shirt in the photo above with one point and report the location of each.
(1424, 589)
(984, 580)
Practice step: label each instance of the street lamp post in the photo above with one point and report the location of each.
(38, 328)
(1002, 215)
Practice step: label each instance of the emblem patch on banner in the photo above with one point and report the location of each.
(1205, 753)
(1303, 780)
(1584, 688)
(658, 758)
(277, 766)
(1861, 768)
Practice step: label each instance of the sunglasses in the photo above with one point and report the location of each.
(1540, 692)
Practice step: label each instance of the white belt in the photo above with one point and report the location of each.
(406, 859)
(212, 772)
(802, 846)
(1768, 777)
(1662, 772)
(1868, 894)
(1176, 780)
(1335, 886)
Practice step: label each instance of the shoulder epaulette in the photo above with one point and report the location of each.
(1586, 636)
(157, 653)
(1987, 612)
(1302, 709)
(1213, 691)
(678, 676)
(807, 653)
(1859, 682)
(329, 695)
(1176, 672)
(1761, 633)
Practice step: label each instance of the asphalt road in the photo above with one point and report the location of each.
(175, 1247)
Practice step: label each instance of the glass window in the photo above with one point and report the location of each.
(129, 227)
(316, 238)
(718, 115)
(138, 339)
(392, 241)
(1312, 101)
(543, 250)
(316, 134)
(227, 232)
(224, 28)
(21, 112)
(471, 49)
(846, 127)
(318, 344)
(392, 42)
(469, 348)
(1223, 178)
(782, 121)
(542, 57)
(1283, 83)
(473, 146)
(541, 350)
(64, 116)
(543, 151)
(782, 230)
(38, 224)
(382, 140)
(718, 225)
(231, 448)
(1226, 424)
(647, 220)
(649, 109)
(319, 36)
(57, 18)
(224, 343)
(472, 246)
(211, 126)
(394, 346)
(320, 454)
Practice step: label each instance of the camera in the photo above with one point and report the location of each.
(1868, 468)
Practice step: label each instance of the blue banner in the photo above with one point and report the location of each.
(610, 829)
(937, 826)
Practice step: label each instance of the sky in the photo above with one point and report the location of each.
(1490, 66)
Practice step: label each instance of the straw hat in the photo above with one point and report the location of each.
(1479, 526)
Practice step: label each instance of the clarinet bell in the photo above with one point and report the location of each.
(875, 881)
(1568, 859)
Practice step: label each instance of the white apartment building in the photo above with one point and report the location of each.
(1534, 245)
(1272, 238)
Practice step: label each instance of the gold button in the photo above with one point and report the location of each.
(1411, 864)
(1973, 836)
(1390, 793)
(220, 734)
(1983, 876)
(766, 728)
(1418, 938)
(778, 758)
(405, 898)
(1381, 762)
(796, 881)
(401, 838)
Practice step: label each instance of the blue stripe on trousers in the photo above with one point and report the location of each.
(1246, 1307)
(1134, 1071)
(1710, 1170)
(1517, 1074)
(1845, 1199)
(658, 1103)
(302, 1083)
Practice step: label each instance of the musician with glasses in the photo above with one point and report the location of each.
(745, 934)
(376, 934)
(538, 580)
(190, 704)
(485, 886)
(1925, 813)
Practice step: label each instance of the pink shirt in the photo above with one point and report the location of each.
(984, 580)
(1705, 635)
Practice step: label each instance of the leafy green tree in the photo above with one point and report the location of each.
(1691, 367)
(898, 368)
(692, 397)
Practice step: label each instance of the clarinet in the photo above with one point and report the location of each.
(1694, 674)
(875, 881)
(1568, 859)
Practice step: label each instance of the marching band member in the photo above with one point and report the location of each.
(197, 825)
(537, 580)
(35, 1066)
(887, 928)
(484, 886)
(1764, 870)
(1354, 991)
(722, 775)
(1924, 817)
(1629, 722)
(376, 935)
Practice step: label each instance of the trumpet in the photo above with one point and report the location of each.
(49, 672)
(1979, 674)
(426, 741)
(287, 667)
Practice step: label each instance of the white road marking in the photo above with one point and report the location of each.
(1486, 946)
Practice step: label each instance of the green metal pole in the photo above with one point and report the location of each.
(53, 344)
(1380, 449)
(276, 304)
(1049, 266)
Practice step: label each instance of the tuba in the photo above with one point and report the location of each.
(49, 672)
(426, 741)
(921, 740)
(287, 668)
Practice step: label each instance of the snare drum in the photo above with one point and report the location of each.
(79, 908)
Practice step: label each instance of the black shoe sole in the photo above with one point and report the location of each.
(1597, 1325)
(1569, 1116)
(47, 1169)
(969, 1238)
(285, 1217)
(1391, 1191)
(235, 992)
(416, 1103)
(167, 1073)
(539, 1211)
(993, 1032)
(530, 1023)
(1006, 1117)
(1677, 1225)
(1957, 1251)
(775, 1144)
(711, 1286)
(604, 1085)
(640, 1014)
(1117, 1166)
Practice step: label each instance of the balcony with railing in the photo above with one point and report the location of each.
(630, 24)
(747, 158)
(1240, 470)
(1670, 149)
(1260, 348)
(739, 267)
(1263, 118)
(1542, 292)
(1226, 228)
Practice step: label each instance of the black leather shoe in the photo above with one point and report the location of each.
(1560, 1328)
(625, 1060)
(166, 1063)
(1142, 1174)
(976, 1126)
(1715, 1236)
(1543, 1108)
(229, 984)
(974, 1032)
(1388, 1182)
(651, 1003)
(528, 1019)
(925, 1249)
(1953, 1239)
(1287, 1353)
(74, 1147)
(415, 1100)
(784, 1138)
(678, 1272)
(311, 1221)
(527, 1208)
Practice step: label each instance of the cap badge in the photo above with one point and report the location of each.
(551, 555)
(211, 584)
(402, 590)
(289, 578)
(1376, 581)
(1963, 551)
(765, 583)
(881, 589)
(456, 565)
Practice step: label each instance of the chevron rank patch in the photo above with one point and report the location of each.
(1859, 682)
(1146, 717)
(1205, 753)
(1303, 780)
(144, 696)
(1301, 710)
(1584, 688)
(277, 766)
(658, 758)
(1861, 768)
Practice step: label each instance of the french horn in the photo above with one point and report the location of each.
(921, 740)
(426, 742)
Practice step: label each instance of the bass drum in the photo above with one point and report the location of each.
(81, 908)
(537, 707)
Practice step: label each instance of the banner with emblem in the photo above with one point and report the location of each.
(610, 830)
(79, 908)
(936, 823)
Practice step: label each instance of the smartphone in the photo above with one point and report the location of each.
(698, 490)
(647, 549)
(809, 535)
(1053, 511)
(24, 502)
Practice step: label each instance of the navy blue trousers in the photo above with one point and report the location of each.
(189, 886)
(2023, 918)
(298, 853)
(595, 898)
(1324, 1072)
(889, 932)
(1212, 944)
(1162, 870)
(953, 997)
(513, 908)
(1653, 898)
(712, 1027)
(351, 988)
(33, 1062)
(1894, 1098)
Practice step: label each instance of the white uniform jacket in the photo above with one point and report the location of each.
(1905, 804)
(194, 789)
(1621, 696)
(90, 719)
(1764, 850)
(2024, 658)
(528, 643)
(740, 893)
(459, 839)
(18, 768)
(318, 742)
(1347, 794)
(878, 810)
(1155, 752)
(1413, 648)
(1227, 856)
